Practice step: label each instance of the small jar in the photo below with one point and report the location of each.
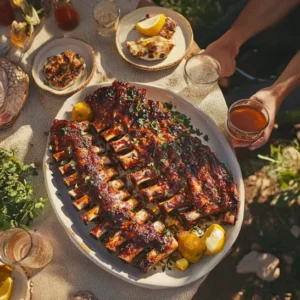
(66, 15)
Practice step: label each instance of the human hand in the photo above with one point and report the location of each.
(224, 50)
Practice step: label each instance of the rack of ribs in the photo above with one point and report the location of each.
(136, 153)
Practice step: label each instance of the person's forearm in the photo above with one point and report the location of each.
(288, 81)
(257, 16)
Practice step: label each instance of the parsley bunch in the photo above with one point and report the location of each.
(17, 204)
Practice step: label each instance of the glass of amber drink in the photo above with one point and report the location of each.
(246, 121)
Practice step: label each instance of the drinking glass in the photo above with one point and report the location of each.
(202, 72)
(106, 15)
(27, 248)
(246, 121)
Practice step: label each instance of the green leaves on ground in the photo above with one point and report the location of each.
(284, 167)
(17, 204)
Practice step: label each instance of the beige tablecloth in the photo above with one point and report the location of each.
(70, 271)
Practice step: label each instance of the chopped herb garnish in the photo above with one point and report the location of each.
(154, 169)
(83, 132)
(72, 164)
(154, 125)
(139, 106)
(206, 139)
(168, 233)
(50, 147)
(65, 129)
(69, 150)
(135, 142)
(63, 162)
(142, 122)
(169, 105)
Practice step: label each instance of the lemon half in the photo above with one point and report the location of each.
(191, 247)
(151, 26)
(82, 112)
(6, 288)
(214, 238)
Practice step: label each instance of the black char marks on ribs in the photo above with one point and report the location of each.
(166, 164)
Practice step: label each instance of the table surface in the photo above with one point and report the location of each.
(70, 271)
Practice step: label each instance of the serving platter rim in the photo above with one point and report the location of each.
(164, 281)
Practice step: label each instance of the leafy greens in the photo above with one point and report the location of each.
(18, 206)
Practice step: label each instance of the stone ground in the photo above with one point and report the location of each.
(266, 229)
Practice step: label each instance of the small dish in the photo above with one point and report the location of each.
(55, 47)
(183, 38)
(20, 288)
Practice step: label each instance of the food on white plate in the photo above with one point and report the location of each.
(14, 84)
(153, 48)
(160, 25)
(139, 172)
(63, 70)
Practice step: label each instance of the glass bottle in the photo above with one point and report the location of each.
(66, 15)
(7, 14)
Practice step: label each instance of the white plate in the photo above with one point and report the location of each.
(183, 38)
(79, 232)
(55, 47)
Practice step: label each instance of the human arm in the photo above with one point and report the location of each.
(272, 97)
(255, 17)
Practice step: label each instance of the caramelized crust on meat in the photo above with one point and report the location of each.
(136, 152)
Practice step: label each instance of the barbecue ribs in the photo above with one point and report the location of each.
(137, 155)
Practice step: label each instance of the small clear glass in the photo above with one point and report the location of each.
(257, 116)
(26, 248)
(202, 72)
(106, 15)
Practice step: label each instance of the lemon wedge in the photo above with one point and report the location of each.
(214, 238)
(151, 26)
(6, 288)
(82, 112)
(182, 264)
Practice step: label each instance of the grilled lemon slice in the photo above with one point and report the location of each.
(151, 26)
(214, 238)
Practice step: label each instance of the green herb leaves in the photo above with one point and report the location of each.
(17, 204)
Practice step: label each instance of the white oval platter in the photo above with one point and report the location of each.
(79, 232)
(183, 38)
(55, 47)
